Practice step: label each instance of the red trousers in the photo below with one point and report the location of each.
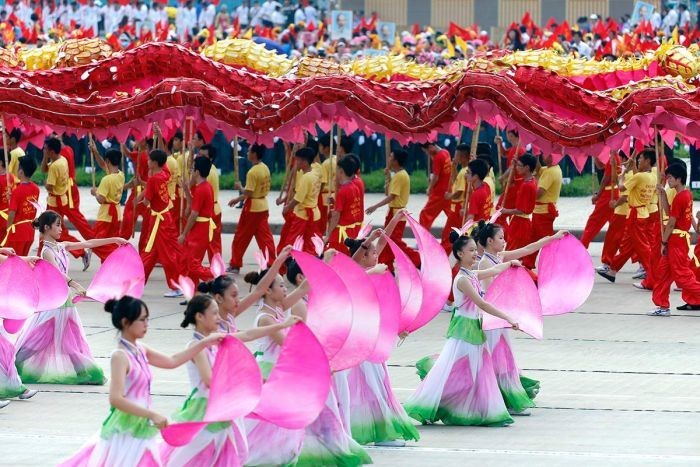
(176, 210)
(634, 241)
(675, 267)
(214, 246)
(654, 240)
(435, 205)
(298, 227)
(386, 256)
(21, 248)
(602, 213)
(166, 250)
(106, 230)
(454, 219)
(335, 242)
(129, 220)
(195, 247)
(252, 225)
(78, 220)
(616, 230)
(519, 235)
(542, 226)
(3, 227)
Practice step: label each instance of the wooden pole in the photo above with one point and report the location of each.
(92, 159)
(498, 154)
(6, 154)
(236, 171)
(509, 181)
(136, 191)
(287, 171)
(613, 174)
(659, 173)
(472, 155)
(593, 176)
(387, 155)
(453, 168)
(331, 181)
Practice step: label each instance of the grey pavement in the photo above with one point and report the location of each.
(618, 388)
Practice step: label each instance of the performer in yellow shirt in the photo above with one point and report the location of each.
(640, 190)
(108, 195)
(456, 195)
(254, 220)
(208, 151)
(397, 193)
(13, 138)
(302, 210)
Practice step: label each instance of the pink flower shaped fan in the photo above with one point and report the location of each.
(121, 274)
(296, 391)
(185, 285)
(565, 276)
(435, 275)
(410, 286)
(13, 326)
(217, 266)
(329, 310)
(20, 296)
(53, 291)
(389, 315)
(514, 292)
(236, 385)
(365, 314)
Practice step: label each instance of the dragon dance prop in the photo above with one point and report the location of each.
(560, 105)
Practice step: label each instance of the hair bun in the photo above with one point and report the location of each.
(35, 223)
(454, 236)
(204, 287)
(110, 304)
(252, 278)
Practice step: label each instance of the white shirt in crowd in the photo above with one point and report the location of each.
(206, 17)
(91, 17)
(241, 15)
(311, 14)
(685, 19)
(670, 21)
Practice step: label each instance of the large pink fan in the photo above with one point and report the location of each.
(121, 274)
(410, 286)
(564, 276)
(329, 312)
(435, 274)
(53, 290)
(297, 389)
(514, 293)
(390, 315)
(236, 385)
(20, 294)
(13, 325)
(365, 314)
(217, 266)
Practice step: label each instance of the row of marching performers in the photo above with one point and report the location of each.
(649, 216)
(474, 381)
(177, 198)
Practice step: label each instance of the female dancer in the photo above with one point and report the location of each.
(270, 444)
(219, 443)
(518, 391)
(461, 388)
(10, 382)
(51, 347)
(375, 414)
(226, 293)
(327, 442)
(128, 435)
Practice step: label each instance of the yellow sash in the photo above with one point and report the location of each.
(691, 252)
(212, 225)
(343, 230)
(4, 214)
(12, 229)
(159, 217)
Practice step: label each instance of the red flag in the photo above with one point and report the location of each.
(612, 25)
(600, 29)
(113, 41)
(550, 22)
(416, 29)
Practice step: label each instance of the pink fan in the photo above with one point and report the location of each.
(365, 229)
(390, 315)
(564, 285)
(435, 274)
(298, 244)
(365, 314)
(410, 286)
(262, 259)
(464, 229)
(13, 325)
(495, 216)
(329, 312)
(53, 290)
(39, 208)
(20, 295)
(185, 285)
(514, 292)
(120, 274)
(318, 244)
(217, 267)
(298, 386)
(236, 385)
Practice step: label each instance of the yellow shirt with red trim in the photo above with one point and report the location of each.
(213, 180)
(13, 165)
(550, 180)
(111, 187)
(258, 181)
(58, 178)
(306, 195)
(459, 184)
(400, 187)
(640, 188)
(174, 169)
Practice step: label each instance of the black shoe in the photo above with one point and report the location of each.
(609, 277)
(239, 205)
(183, 303)
(688, 307)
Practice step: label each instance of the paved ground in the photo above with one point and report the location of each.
(618, 388)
